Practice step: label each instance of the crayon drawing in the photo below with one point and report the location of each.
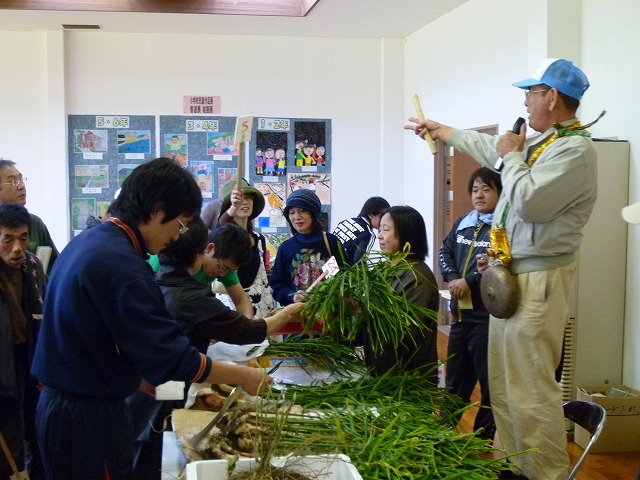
(274, 195)
(90, 141)
(320, 183)
(91, 176)
(176, 146)
(134, 141)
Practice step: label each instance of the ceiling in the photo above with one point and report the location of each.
(328, 18)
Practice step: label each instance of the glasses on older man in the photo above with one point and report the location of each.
(183, 228)
(16, 183)
(527, 93)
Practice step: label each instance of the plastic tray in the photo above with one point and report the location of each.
(320, 467)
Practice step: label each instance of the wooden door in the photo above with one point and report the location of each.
(452, 170)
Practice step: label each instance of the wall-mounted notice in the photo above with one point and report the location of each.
(102, 151)
(201, 105)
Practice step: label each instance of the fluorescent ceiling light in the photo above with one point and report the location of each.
(285, 8)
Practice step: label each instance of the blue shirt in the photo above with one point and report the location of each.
(105, 323)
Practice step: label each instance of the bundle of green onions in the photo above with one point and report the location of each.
(360, 298)
(392, 427)
(322, 352)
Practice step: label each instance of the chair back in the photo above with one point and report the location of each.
(589, 416)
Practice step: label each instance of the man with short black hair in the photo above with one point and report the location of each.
(13, 189)
(108, 329)
(22, 284)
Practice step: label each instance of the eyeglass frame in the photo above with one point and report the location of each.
(221, 266)
(16, 183)
(527, 93)
(183, 228)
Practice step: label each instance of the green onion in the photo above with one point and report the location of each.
(361, 298)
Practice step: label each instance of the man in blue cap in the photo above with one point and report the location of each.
(549, 189)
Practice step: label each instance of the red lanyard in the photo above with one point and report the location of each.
(129, 232)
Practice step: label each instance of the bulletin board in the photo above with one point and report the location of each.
(102, 151)
(284, 154)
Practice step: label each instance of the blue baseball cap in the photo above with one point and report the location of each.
(560, 74)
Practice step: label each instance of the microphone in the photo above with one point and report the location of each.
(516, 129)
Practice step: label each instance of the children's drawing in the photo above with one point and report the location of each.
(318, 155)
(221, 143)
(90, 141)
(124, 170)
(320, 183)
(270, 162)
(310, 143)
(226, 175)
(299, 157)
(91, 176)
(203, 173)
(101, 208)
(274, 240)
(271, 153)
(176, 147)
(274, 196)
(281, 162)
(81, 209)
(134, 141)
(259, 162)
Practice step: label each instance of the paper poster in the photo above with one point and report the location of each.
(320, 183)
(272, 216)
(134, 141)
(203, 173)
(81, 209)
(176, 146)
(273, 241)
(90, 141)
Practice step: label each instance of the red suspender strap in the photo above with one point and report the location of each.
(129, 232)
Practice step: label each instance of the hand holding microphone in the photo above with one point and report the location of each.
(507, 143)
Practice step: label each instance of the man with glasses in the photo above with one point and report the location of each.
(13, 189)
(107, 331)
(220, 268)
(549, 190)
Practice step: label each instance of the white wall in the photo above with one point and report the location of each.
(23, 114)
(608, 34)
(340, 79)
(461, 66)
(357, 83)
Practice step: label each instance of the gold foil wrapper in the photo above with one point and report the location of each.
(499, 249)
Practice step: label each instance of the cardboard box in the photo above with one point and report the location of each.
(621, 431)
(327, 467)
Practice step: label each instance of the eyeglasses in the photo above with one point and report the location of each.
(529, 92)
(223, 267)
(16, 183)
(183, 228)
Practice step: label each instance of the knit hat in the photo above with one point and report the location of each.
(258, 198)
(306, 199)
(560, 74)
